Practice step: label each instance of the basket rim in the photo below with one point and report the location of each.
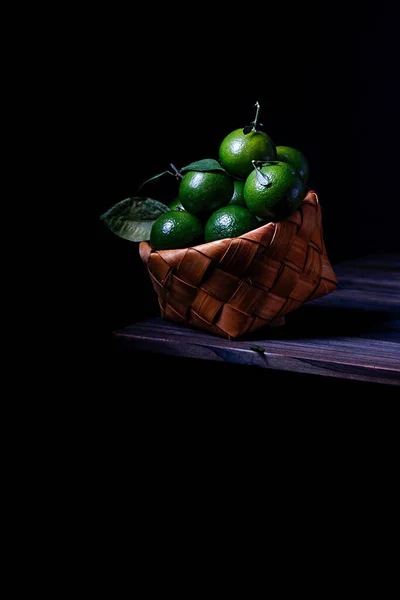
(146, 249)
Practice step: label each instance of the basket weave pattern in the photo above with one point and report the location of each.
(235, 286)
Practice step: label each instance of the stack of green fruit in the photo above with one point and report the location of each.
(252, 183)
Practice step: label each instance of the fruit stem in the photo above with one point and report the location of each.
(175, 171)
(255, 122)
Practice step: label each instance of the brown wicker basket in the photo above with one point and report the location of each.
(234, 286)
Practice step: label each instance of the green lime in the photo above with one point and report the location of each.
(176, 205)
(175, 229)
(295, 158)
(238, 197)
(203, 192)
(229, 221)
(274, 191)
(237, 151)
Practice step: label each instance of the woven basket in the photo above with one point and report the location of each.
(235, 286)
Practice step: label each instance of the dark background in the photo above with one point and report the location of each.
(168, 90)
(167, 85)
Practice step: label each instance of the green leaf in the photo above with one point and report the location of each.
(133, 218)
(154, 178)
(207, 164)
(263, 179)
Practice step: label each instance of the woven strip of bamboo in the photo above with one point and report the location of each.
(234, 286)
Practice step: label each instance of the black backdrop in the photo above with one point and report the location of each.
(167, 90)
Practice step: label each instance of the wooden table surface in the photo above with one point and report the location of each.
(353, 333)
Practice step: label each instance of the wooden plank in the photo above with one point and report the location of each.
(353, 333)
(373, 360)
(389, 262)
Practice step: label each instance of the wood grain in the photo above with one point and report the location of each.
(353, 333)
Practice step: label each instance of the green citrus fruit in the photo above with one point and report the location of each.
(175, 229)
(176, 205)
(275, 191)
(238, 197)
(204, 192)
(229, 221)
(237, 151)
(295, 158)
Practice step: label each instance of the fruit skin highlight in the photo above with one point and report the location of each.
(175, 229)
(238, 150)
(203, 192)
(228, 222)
(274, 191)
